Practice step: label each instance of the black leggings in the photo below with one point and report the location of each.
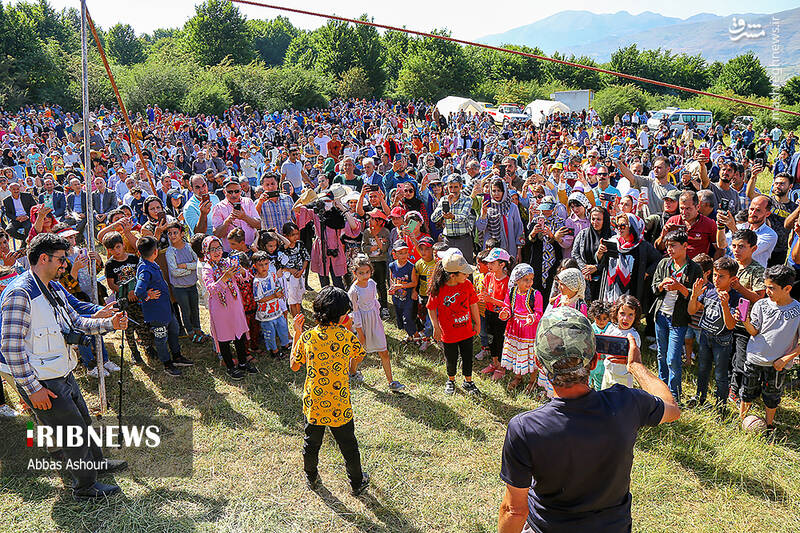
(497, 329)
(227, 355)
(451, 351)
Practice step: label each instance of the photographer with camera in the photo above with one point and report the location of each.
(567, 465)
(39, 322)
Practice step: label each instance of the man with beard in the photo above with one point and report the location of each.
(780, 209)
(724, 190)
(654, 224)
(757, 215)
(35, 310)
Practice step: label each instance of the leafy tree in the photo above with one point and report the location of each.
(573, 76)
(354, 84)
(123, 45)
(46, 23)
(617, 99)
(369, 55)
(218, 30)
(210, 97)
(302, 51)
(434, 68)
(157, 83)
(790, 91)
(395, 45)
(271, 38)
(745, 75)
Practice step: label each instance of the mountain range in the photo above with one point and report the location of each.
(715, 37)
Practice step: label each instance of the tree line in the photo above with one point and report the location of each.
(220, 57)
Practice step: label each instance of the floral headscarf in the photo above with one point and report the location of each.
(519, 272)
(574, 280)
(219, 268)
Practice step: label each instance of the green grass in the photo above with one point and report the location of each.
(434, 461)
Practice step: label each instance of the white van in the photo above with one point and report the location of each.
(679, 118)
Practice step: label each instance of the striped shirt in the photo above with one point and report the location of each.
(276, 214)
(17, 322)
(464, 221)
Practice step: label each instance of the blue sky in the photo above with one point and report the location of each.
(423, 15)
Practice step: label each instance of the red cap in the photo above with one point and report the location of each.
(398, 212)
(377, 213)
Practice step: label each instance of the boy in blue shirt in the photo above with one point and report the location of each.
(153, 292)
(401, 276)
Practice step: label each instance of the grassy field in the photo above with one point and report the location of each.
(434, 460)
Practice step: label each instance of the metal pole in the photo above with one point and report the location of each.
(87, 171)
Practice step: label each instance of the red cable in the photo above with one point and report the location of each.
(525, 54)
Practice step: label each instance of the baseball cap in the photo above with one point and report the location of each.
(547, 204)
(399, 245)
(457, 263)
(377, 213)
(66, 232)
(443, 253)
(455, 178)
(425, 241)
(564, 332)
(496, 254)
(397, 212)
(673, 195)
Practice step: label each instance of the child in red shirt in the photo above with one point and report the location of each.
(453, 308)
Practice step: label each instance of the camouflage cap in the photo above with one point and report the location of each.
(564, 332)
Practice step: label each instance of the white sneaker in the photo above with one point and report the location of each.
(654, 347)
(93, 372)
(111, 366)
(7, 411)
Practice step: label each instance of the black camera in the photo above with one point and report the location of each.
(76, 338)
(332, 253)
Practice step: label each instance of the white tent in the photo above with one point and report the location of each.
(454, 104)
(549, 107)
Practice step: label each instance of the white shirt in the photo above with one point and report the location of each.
(293, 173)
(322, 144)
(766, 238)
(20, 210)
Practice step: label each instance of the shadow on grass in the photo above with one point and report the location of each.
(391, 519)
(686, 442)
(196, 388)
(273, 391)
(432, 413)
(158, 509)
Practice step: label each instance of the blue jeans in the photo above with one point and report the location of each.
(716, 349)
(188, 301)
(669, 339)
(87, 353)
(166, 340)
(274, 331)
(404, 311)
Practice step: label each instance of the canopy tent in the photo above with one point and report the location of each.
(454, 104)
(549, 107)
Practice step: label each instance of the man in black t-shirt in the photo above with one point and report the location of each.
(567, 465)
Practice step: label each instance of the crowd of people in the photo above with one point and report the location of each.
(459, 228)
